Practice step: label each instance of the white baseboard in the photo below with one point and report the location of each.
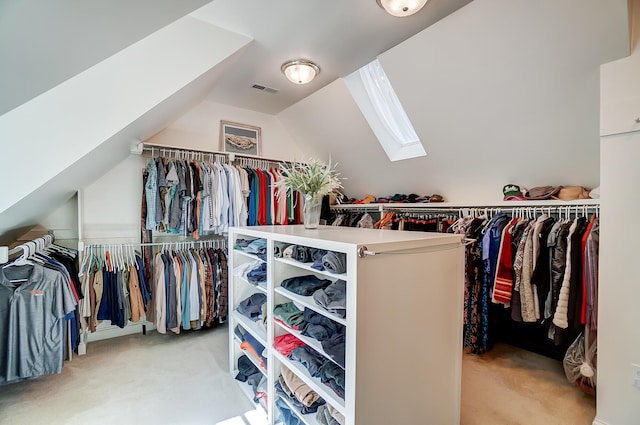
(107, 331)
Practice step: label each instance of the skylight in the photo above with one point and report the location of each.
(372, 91)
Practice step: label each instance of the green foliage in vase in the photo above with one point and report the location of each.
(313, 179)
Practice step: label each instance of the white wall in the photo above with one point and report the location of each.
(111, 205)
(199, 128)
(501, 91)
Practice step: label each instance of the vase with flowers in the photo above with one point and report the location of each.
(313, 180)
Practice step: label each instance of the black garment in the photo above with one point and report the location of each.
(318, 326)
(246, 368)
(541, 276)
(69, 264)
(334, 346)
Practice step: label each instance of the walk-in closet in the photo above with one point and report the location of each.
(319, 213)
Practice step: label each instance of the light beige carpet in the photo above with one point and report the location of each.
(183, 379)
(517, 387)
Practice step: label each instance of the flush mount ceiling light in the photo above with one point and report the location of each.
(401, 8)
(300, 71)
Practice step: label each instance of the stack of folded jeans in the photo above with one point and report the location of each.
(258, 275)
(287, 416)
(257, 247)
(304, 254)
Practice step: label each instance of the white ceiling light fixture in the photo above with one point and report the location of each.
(401, 8)
(300, 71)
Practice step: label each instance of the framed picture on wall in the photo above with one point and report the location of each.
(240, 138)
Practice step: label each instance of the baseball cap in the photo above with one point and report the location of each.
(512, 192)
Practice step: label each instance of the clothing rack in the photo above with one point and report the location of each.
(27, 248)
(515, 208)
(208, 243)
(210, 155)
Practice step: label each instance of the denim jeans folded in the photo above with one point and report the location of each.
(309, 358)
(305, 285)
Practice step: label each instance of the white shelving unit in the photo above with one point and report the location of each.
(403, 321)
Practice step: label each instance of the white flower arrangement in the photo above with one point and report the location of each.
(314, 179)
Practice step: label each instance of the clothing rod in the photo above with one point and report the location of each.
(231, 155)
(532, 208)
(40, 242)
(168, 243)
(458, 205)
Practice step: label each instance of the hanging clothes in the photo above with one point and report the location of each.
(116, 286)
(197, 197)
(520, 275)
(189, 288)
(38, 299)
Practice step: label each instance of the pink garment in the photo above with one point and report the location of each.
(285, 344)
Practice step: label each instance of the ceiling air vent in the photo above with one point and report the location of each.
(264, 88)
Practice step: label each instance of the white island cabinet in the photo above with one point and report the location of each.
(403, 322)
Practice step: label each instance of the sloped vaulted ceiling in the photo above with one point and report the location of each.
(71, 134)
(43, 43)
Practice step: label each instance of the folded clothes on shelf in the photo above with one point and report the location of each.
(257, 247)
(304, 254)
(286, 343)
(287, 416)
(301, 395)
(289, 314)
(334, 346)
(242, 243)
(251, 306)
(309, 358)
(246, 368)
(335, 262)
(254, 348)
(304, 285)
(333, 376)
(333, 298)
(258, 275)
(318, 326)
(279, 247)
(328, 415)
